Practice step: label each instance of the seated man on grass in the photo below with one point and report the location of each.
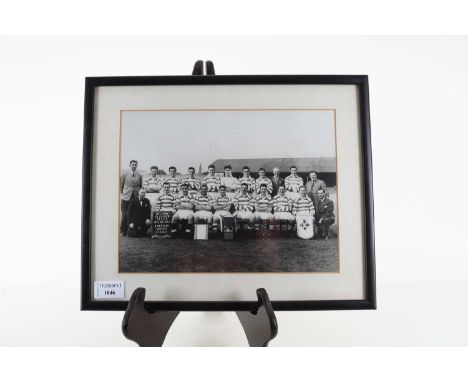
(282, 207)
(184, 210)
(263, 206)
(222, 206)
(203, 207)
(244, 207)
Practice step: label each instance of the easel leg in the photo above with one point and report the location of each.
(260, 327)
(143, 327)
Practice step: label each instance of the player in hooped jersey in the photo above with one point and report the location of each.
(262, 179)
(303, 205)
(174, 183)
(165, 201)
(184, 209)
(203, 206)
(263, 206)
(212, 181)
(222, 206)
(153, 186)
(153, 183)
(247, 179)
(244, 207)
(292, 183)
(193, 182)
(282, 209)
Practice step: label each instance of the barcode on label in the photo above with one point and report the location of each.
(109, 289)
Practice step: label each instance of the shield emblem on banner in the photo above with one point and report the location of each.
(305, 227)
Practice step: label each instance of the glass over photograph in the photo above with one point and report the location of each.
(228, 191)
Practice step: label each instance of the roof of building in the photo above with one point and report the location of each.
(322, 164)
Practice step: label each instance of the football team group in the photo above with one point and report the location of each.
(256, 203)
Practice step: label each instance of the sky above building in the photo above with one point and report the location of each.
(188, 138)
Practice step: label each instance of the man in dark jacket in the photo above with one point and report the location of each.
(313, 186)
(139, 216)
(276, 181)
(324, 215)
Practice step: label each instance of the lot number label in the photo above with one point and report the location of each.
(109, 289)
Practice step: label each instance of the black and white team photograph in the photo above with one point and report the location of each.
(228, 191)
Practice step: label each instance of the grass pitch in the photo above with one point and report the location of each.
(289, 254)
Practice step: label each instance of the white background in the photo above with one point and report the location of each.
(246, 17)
(419, 98)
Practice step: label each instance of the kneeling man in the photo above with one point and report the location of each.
(282, 207)
(139, 216)
(184, 210)
(222, 206)
(263, 206)
(244, 206)
(203, 207)
(325, 216)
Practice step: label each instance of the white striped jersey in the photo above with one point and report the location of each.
(243, 202)
(174, 184)
(292, 183)
(303, 205)
(194, 183)
(266, 181)
(152, 184)
(212, 182)
(282, 203)
(232, 184)
(204, 201)
(250, 182)
(184, 199)
(223, 201)
(263, 202)
(165, 202)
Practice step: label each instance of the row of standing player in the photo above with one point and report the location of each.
(232, 184)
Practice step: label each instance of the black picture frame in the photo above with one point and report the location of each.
(361, 81)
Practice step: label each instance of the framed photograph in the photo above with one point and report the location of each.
(202, 189)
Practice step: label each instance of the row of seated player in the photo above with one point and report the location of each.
(205, 209)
